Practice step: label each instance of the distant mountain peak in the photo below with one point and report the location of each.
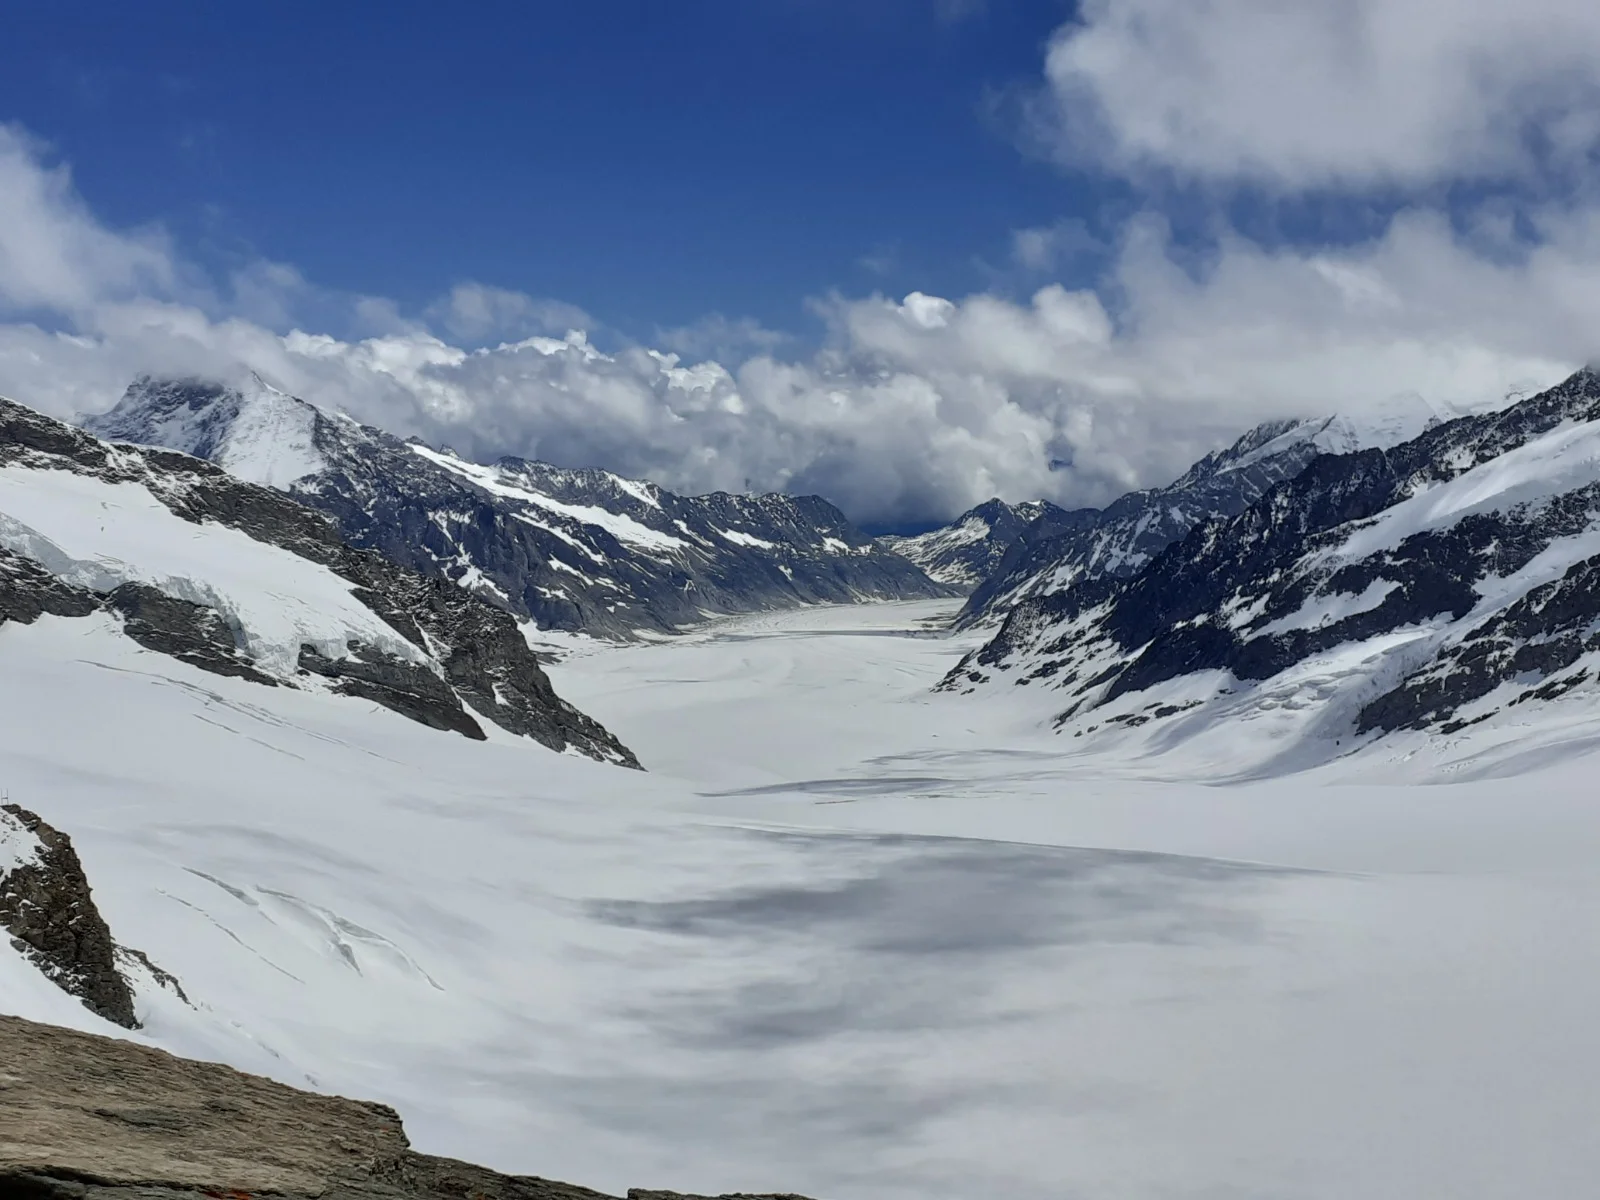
(966, 551)
(571, 548)
(1425, 585)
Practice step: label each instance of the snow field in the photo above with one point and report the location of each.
(848, 937)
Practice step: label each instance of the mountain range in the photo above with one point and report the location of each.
(967, 551)
(240, 580)
(570, 549)
(1429, 585)
(1060, 548)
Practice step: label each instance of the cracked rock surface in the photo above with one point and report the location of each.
(84, 1117)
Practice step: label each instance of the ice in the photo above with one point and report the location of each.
(848, 937)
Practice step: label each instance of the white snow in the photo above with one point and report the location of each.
(740, 538)
(100, 534)
(18, 847)
(621, 526)
(1561, 461)
(271, 441)
(848, 938)
(1327, 607)
(639, 491)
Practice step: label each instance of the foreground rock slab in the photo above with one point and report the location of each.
(84, 1117)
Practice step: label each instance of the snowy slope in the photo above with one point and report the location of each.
(849, 938)
(240, 580)
(1062, 549)
(1432, 586)
(578, 550)
(967, 551)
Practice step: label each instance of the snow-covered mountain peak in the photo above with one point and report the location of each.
(240, 580)
(249, 428)
(1435, 585)
(966, 551)
(572, 548)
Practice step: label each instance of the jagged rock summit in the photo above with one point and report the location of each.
(1061, 548)
(968, 550)
(242, 580)
(1429, 586)
(84, 1117)
(581, 550)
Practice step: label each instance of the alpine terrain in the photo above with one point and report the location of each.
(1060, 548)
(969, 549)
(1434, 585)
(572, 549)
(239, 580)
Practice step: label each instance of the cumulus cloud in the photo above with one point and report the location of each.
(476, 312)
(1304, 94)
(54, 256)
(913, 409)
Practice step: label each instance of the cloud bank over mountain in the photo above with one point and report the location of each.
(915, 408)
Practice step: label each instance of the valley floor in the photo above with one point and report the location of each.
(848, 937)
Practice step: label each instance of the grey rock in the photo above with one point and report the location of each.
(406, 687)
(187, 631)
(91, 1118)
(49, 911)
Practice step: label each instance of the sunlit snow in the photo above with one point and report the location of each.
(848, 937)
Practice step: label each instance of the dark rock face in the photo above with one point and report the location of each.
(28, 592)
(91, 1118)
(483, 658)
(1234, 593)
(1541, 635)
(190, 632)
(406, 687)
(1063, 548)
(971, 548)
(47, 907)
(572, 549)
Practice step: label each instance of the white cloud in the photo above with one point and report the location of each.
(1048, 247)
(716, 335)
(54, 256)
(914, 409)
(1316, 93)
(476, 312)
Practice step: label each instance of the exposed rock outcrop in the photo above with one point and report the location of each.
(187, 631)
(47, 908)
(1060, 549)
(91, 1118)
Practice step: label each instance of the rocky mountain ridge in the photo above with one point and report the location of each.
(968, 550)
(1426, 586)
(240, 579)
(580, 550)
(1062, 548)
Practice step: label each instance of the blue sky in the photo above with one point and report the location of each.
(907, 254)
(647, 162)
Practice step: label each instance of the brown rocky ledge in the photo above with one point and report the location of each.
(84, 1117)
